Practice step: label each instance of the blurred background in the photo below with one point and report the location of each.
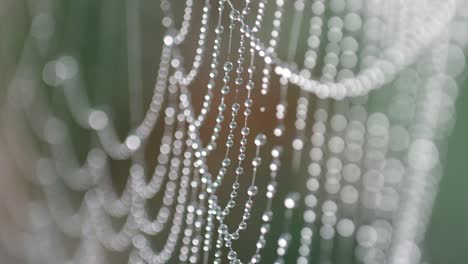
(96, 35)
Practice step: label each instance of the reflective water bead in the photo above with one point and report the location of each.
(252, 191)
(274, 166)
(271, 187)
(222, 229)
(255, 258)
(228, 66)
(235, 235)
(261, 243)
(241, 156)
(279, 130)
(219, 29)
(292, 200)
(250, 85)
(265, 228)
(226, 162)
(235, 107)
(242, 225)
(276, 151)
(267, 216)
(246, 215)
(256, 161)
(232, 255)
(234, 15)
(222, 107)
(243, 141)
(225, 90)
(232, 125)
(244, 28)
(260, 139)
